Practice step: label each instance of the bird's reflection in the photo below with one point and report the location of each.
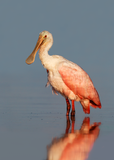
(75, 145)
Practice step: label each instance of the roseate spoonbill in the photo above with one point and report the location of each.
(75, 145)
(65, 77)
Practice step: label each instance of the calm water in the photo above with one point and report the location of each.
(31, 117)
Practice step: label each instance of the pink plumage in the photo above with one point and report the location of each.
(65, 77)
(80, 83)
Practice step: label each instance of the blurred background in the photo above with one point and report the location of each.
(83, 32)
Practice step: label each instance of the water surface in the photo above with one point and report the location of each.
(31, 117)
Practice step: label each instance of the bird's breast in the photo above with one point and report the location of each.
(57, 83)
(55, 80)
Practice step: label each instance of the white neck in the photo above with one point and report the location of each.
(44, 56)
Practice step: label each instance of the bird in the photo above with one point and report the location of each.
(65, 77)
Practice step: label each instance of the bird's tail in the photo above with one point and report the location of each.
(86, 105)
(95, 105)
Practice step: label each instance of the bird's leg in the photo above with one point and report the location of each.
(68, 107)
(73, 109)
(67, 125)
(73, 124)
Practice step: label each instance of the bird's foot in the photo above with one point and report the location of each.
(73, 114)
(73, 118)
(67, 114)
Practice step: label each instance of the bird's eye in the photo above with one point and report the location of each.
(45, 36)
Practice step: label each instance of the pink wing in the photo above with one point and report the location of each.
(77, 80)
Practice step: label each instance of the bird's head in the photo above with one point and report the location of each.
(45, 39)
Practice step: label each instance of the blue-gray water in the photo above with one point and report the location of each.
(30, 116)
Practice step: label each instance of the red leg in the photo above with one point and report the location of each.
(73, 109)
(67, 125)
(68, 107)
(72, 128)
